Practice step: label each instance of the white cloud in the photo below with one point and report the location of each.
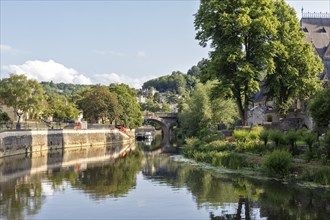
(47, 71)
(56, 72)
(141, 54)
(106, 79)
(9, 50)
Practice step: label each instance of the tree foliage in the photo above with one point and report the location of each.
(22, 94)
(60, 109)
(99, 103)
(296, 65)
(200, 112)
(240, 33)
(131, 115)
(319, 108)
(177, 82)
(252, 41)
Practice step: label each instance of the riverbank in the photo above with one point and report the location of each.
(28, 141)
(270, 160)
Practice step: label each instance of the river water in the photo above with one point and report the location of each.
(88, 184)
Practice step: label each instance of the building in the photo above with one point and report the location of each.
(316, 27)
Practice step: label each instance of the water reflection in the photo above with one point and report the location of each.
(239, 197)
(29, 183)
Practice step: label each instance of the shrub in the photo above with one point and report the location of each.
(192, 142)
(219, 146)
(241, 135)
(269, 118)
(309, 139)
(255, 132)
(264, 136)
(213, 137)
(291, 138)
(278, 163)
(276, 136)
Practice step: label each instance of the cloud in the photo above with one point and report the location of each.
(48, 71)
(109, 52)
(6, 49)
(141, 54)
(56, 72)
(106, 79)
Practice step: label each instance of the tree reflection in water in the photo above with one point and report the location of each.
(223, 196)
(242, 197)
(21, 198)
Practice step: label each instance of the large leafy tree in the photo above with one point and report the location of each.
(98, 103)
(296, 65)
(22, 94)
(241, 33)
(131, 115)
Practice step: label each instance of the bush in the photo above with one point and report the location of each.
(241, 135)
(213, 137)
(276, 136)
(219, 146)
(309, 139)
(255, 132)
(278, 163)
(192, 142)
(291, 137)
(264, 136)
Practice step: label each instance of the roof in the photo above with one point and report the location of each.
(317, 29)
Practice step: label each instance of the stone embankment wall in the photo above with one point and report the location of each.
(20, 142)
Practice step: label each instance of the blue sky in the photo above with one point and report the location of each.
(104, 41)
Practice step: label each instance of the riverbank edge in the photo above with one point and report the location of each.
(29, 141)
(256, 172)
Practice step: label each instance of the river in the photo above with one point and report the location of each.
(87, 184)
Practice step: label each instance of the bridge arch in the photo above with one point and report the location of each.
(166, 122)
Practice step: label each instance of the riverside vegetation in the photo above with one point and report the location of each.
(291, 155)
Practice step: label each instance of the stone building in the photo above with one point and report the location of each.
(317, 30)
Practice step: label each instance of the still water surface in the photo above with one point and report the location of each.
(86, 184)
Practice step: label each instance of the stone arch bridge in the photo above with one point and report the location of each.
(166, 122)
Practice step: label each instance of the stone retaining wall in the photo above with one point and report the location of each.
(26, 141)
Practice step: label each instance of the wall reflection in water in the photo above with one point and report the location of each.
(26, 180)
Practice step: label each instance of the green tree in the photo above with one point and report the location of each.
(241, 33)
(22, 94)
(296, 65)
(60, 108)
(196, 113)
(319, 107)
(99, 103)
(131, 115)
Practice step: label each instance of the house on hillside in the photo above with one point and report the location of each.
(317, 30)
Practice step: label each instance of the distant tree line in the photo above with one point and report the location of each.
(116, 103)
